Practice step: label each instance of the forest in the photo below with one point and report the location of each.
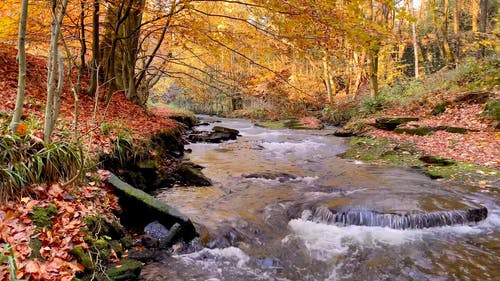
(99, 97)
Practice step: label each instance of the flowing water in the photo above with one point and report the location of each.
(275, 212)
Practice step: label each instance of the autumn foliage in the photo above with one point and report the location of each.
(55, 262)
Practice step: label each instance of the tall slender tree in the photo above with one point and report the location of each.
(21, 80)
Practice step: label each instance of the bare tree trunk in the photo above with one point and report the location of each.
(372, 56)
(414, 38)
(326, 78)
(444, 32)
(95, 49)
(373, 70)
(456, 17)
(475, 15)
(456, 28)
(55, 68)
(83, 44)
(359, 61)
(483, 21)
(21, 80)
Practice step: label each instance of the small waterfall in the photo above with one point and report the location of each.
(366, 217)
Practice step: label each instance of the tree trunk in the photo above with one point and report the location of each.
(414, 38)
(456, 17)
(360, 60)
(21, 80)
(326, 79)
(373, 69)
(444, 31)
(372, 56)
(456, 28)
(55, 68)
(95, 50)
(475, 15)
(483, 21)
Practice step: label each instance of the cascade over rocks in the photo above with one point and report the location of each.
(367, 217)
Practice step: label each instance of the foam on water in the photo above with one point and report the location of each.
(306, 180)
(224, 264)
(210, 257)
(325, 242)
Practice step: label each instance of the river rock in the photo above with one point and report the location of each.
(390, 123)
(282, 177)
(143, 255)
(477, 97)
(419, 131)
(343, 133)
(138, 208)
(188, 121)
(436, 160)
(189, 174)
(127, 269)
(454, 130)
(156, 230)
(211, 137)
(220, 129)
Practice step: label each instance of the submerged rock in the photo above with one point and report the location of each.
(282, 177)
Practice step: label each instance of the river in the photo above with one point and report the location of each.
(261, 213)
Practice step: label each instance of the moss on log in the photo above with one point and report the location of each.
(140, 208)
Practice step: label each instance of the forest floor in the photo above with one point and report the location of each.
(458, 119)
(480, 145)
(52, 260)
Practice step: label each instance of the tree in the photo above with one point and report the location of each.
(55, 68)
(21, 82)
(94, 62)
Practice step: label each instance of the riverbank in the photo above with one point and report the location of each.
(61, 229)
(456, 137)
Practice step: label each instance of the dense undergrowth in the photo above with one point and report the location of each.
(25, 160)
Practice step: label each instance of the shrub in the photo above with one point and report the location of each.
(25, 161)
(492, 111)
(371, 105)
(339, 115)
